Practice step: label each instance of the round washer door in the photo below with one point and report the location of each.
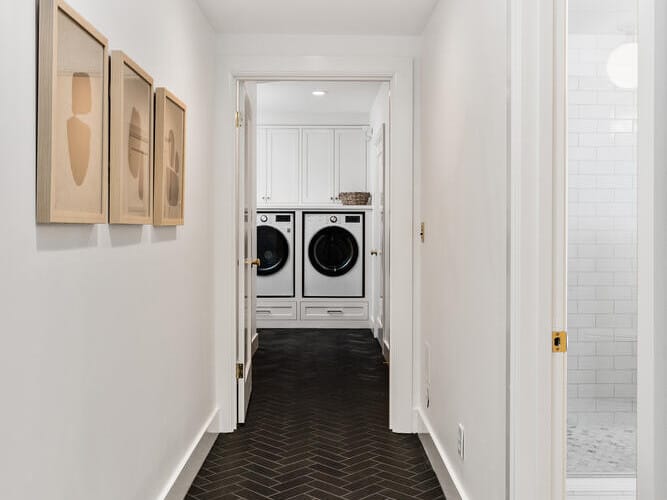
(333, 251)
(272, 250)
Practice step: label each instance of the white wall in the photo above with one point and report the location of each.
(464, 139)
(106, 358)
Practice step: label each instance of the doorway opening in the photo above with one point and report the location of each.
(602, 250)
(313, 232)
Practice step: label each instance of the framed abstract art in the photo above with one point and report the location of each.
(131, 148)
(72, 118)
(169, 159)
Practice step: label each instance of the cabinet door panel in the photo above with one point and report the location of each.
(318, 166)
(351, 160)
(261, 167)
(283, 163)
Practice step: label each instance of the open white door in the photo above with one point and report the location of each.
(247, 240)
(378, 251)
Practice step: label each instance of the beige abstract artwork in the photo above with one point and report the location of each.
(137, 144)
(72, 131)
(131, 142)
(170, 159)
(79, 120)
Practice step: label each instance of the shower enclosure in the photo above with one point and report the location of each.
(602, 260)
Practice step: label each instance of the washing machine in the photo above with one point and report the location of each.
(275, 250)
(333, 254)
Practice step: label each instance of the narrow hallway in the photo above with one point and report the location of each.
(317, 427)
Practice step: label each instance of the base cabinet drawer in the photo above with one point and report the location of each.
(342, 311)
(275, 310)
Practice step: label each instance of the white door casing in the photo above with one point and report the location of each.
(398, 71)
(559, 239)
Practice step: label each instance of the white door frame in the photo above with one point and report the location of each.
(402, 237)
(652, 246)
(548, 178)
(536, 393)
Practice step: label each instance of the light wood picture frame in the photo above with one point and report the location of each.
(170, 142)
(131, 145)
(72, 118)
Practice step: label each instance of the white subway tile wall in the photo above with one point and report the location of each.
(602, 272)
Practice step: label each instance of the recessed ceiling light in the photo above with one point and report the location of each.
(319, 93)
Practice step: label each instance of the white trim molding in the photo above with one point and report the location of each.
(652, 250)
(398, 71)
(450, 483)
(185, 472)
(533, 121)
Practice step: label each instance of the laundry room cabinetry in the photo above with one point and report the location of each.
(267, 310)
(317, 178)
(334, 311)
(310, 165)
(278, 166)
(351, 160)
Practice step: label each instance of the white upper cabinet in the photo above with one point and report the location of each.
(262, 166)
(282, 149)
(310, 165)
(351, 160)
(317, 179)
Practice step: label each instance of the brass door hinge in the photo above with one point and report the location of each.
(559, 342)
(238, 119)
(239, 371)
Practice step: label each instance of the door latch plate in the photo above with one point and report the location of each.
(559, 342)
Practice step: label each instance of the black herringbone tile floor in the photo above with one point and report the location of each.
(317, 427)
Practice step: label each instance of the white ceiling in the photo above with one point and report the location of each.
(322, 17)
(297, 97)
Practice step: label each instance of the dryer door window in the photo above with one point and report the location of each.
(333, 251)
(272, 250)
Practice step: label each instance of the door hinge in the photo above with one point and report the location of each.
(238, 119)
(559, 342)
(422, 231)
(239, 371)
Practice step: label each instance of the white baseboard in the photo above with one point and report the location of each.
(385, 350)
(255, 343)
(441, 463)
(180, 481)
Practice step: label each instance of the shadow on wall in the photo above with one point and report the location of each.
(54, 237)
(125, 235)
(165, 233)
(57, 237)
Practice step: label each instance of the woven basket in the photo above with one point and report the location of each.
(357, 198)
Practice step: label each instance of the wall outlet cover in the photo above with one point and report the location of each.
(461, 442)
